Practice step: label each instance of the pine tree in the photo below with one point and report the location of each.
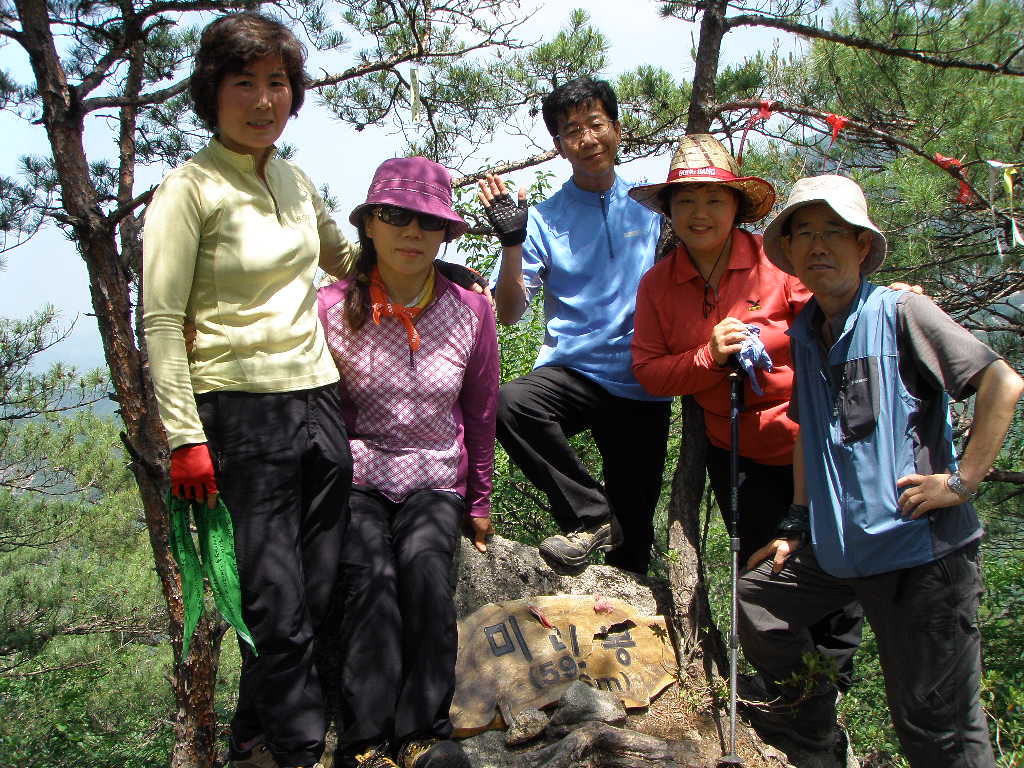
(78, 599)
(128, 61)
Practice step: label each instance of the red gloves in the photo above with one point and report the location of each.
(192, 473)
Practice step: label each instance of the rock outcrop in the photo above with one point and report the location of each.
(589, 728)
(581, 731)
(512, 570)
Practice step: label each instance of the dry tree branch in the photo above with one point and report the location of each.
(1005, 476)
(865, 129)
(853, 41)
(503, 168)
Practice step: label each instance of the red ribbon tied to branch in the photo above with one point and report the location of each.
(955, 167)
(838, 122)
(763, 113)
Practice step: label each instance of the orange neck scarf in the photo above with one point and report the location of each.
(382, 306)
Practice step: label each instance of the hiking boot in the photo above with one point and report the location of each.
(572, 549)
(790, 726)
(751, 689)
(257, 756)
(375, 756)
(432, 753)
(810, 723)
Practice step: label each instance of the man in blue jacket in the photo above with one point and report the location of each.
(878, 488)
(588, 245)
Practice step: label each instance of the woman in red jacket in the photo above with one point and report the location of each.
(692, 309)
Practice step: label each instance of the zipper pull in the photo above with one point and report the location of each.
(607, 230)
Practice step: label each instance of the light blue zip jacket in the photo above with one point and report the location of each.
(862, 430)
(589, 251)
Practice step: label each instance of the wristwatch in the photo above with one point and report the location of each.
(959, 487)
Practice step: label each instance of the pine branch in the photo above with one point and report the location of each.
(1005, 476)
(184, 6)
(503, 168)
(365, 69)
(12, 34)
(853, 41)
(8, 671)
(99, 72)
(137, 202)
(865, 129)
(154, 97)
(419, 54)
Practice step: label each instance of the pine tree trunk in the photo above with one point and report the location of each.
(193, 681)
(697, 635)
(703, 94)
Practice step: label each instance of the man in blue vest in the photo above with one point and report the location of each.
(879, 492)
(588, 245)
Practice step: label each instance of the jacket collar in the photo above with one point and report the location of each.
(809, 331)
(333, 293)
(742, 255)
(855, 308)
(617, 190)
(240, 160)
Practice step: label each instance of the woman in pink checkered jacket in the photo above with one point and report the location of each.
(418, 357)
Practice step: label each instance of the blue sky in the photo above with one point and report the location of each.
(48, 268)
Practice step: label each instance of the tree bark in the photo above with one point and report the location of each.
(193, 680)
(697, 636)
(703, 93)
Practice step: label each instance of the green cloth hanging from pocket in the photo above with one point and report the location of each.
(217, 547)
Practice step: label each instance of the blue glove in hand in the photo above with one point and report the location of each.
(753, 355)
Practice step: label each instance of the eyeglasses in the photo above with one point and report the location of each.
(574, 133)
(402, 217)
(830, 236)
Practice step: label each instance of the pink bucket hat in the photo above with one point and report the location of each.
(417, 184)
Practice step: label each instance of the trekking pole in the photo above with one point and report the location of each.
(735, 406)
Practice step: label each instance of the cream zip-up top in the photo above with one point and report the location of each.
(236, 257)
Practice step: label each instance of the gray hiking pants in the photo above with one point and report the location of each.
(928, 642)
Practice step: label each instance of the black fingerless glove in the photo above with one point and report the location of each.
(508, 217)
(796, 523)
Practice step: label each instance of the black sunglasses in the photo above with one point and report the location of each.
(402, 217)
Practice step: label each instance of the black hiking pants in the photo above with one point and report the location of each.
(399, 636)
(925, 620)
(537, 415)
(284, 471)
(765, 493)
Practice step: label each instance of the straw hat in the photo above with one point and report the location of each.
(415, 183)
(701, 159)
(842, 195)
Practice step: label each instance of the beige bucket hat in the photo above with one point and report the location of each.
(701, 159)
(842, 195)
